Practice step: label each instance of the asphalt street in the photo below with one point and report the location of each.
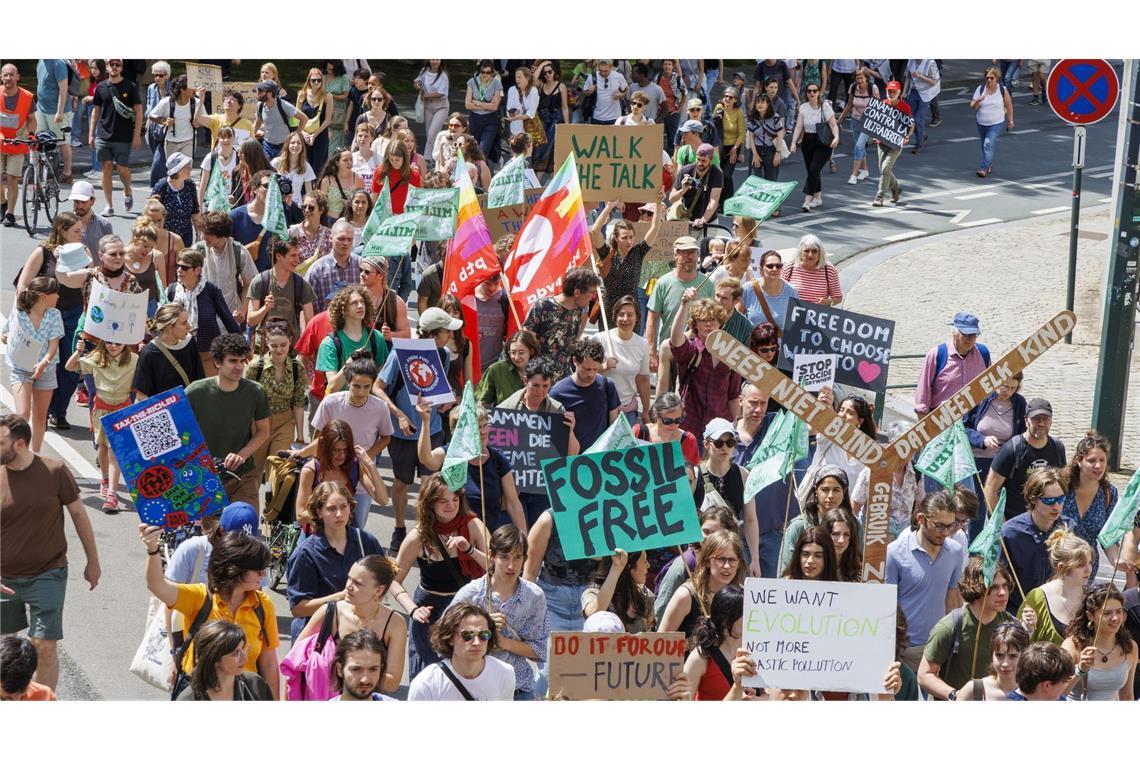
(1032, 177)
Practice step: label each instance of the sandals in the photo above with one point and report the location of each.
(111, 503)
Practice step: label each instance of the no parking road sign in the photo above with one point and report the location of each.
(1083, 90)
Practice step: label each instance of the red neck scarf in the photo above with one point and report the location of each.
(461, 526)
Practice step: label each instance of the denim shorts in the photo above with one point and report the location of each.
(42, 596)
(108, 150)
(46, 382)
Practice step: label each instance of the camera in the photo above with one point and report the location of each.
(696, 183)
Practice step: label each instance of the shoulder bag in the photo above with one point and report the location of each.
(767, 311)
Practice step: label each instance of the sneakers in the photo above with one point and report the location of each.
(878, 201)
(59, 422)
(916, 151)
(862, 175)
(129, 202)
(896, 193)
(818, 203)
(852, 181)
(9, 220)
(81, 396)
(806, 207)
(108, 211)
(1035, 101)
(935, 124)
(398, 536)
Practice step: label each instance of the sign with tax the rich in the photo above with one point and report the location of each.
(613, 162)
(879, 458)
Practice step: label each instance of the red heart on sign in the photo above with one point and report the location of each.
(868, 371)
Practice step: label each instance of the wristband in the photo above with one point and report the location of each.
(152, 553)
(1080, 673)
(470, 551)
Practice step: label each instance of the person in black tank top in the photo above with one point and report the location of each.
(721, 481)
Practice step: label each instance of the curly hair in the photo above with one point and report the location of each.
(339, 305)
(1092, 440)
(1082, 628)
(230, 344)
(972, 584)
(706, 308)
(447, 626)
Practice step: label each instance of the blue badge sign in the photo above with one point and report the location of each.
(422, 369)
(165, 461)
(1082, 90)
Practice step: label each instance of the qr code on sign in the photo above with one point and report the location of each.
(156, 435)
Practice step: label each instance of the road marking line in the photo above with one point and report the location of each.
(1105, 200)
(817, 220)
(883, 210)
(905, 236)
(1102, 175)
(1043, 186)
(1024, 131)
(955, 102)
(972, 196)
(961, 139)
(1053, 210)
(980, 222)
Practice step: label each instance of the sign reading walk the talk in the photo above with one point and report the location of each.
(862, 344)
(622, 163)
(632, 499)
(819, 634)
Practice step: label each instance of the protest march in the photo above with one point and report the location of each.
(483, 386)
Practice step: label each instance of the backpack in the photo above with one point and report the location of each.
(307, 666)
(290, 123)
(181, 678)
(283, 478)
(373, 345)
(956, 618)
(942, 355)
(74, 81)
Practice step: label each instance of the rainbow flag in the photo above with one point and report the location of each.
(554, 239)
(471, 257)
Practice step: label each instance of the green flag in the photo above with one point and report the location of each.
(1123, 517)
(274, 219)
(380, 211)
(217, 196)
(618, 436)
(758, 198)
(465, 444)
(393, 237)
(440, 209)
(785, 443)
(508, 187)
(948, 459)
(988, 542)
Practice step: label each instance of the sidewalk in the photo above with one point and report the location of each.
(1013, 277)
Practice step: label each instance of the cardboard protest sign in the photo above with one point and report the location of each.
(419, 362)
(813, 372)
(633, 499)
(115, 316)
(862, 343)
(393, 237)
(885, 122)
(164, 460)
(24, 348)
(758, 198)
(205, 75)
(613, 162)
(528, 439)
(440, 209)
(509, 219)
(662, 248)
(819, 634)
(248, 104)
(615, 665)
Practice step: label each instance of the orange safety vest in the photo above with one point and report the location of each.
(11, 122)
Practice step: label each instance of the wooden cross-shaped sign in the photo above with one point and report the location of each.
(879, 458)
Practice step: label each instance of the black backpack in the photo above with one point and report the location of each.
(373, 345)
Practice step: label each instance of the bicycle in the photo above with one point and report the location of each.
(283, 539)
(40, 178)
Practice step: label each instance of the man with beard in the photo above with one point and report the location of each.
(698, 186)
(359, 667)
(666, 299)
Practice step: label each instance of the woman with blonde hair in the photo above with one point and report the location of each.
(171, 358)
(316, 102)
(720, 563)
(1058, 600)
(167, 244)
(293, 162)
(33, 354)
(144, 262)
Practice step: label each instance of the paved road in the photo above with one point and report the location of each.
(940, 194)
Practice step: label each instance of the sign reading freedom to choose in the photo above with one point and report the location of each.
(632, 499)
(613, 162)
(861, 343)
(527, 439)
(886, 122)
(615, 665)
(819, 634)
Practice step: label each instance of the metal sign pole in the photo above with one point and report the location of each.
(1075, 220)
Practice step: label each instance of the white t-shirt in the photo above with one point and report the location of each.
(495, 684)
(528, 104)
(929, 69)
(368, 422)
(721, 273)
(633, 360)
(297, 178)
(365, 167)
(227, 166)
(992, 109)
(608, 108)
(182, 129)
(811, 117)
(655, 94)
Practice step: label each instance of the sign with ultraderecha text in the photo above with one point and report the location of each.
(615, 665)
(861, 343)
(886, 123)
(613, 162)
(819, 634)
(528, 439)
(633, 499)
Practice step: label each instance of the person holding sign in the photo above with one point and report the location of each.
(619, 587)
(888, 156)
(464, 637)
(709, 388)
(490, 482)
(32, 338)
(619, 258)
(231, 116)
(721, 481)
(448, 547)
(720, 563)
(629, 366)
(718, 637)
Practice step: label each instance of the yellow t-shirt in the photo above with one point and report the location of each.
(191, 597)
(113, 382)
(243, 129)
(733, 125)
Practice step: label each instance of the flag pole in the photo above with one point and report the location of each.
(602, 306)
(388, 289)
(510, 301)
(787, 509)
(1001, 540)
(977, 635)
(486, 535)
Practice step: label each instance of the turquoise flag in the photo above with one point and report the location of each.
(393, 237)
(1123, 516)
(988, 542)
(217, 194)
(618, 435)
(274, 218)
(785, 443)
(758, 198)
(465, 444)
(380, 211)
(948, 459)
(508, 187)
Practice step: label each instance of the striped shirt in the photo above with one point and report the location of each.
(813, 285)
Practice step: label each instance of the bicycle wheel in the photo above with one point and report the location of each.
(278, 550)
(49, 191)
(31, 200)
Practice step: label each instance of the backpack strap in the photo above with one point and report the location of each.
(199, 619)
(455, 680)
(235, 249)
(765, 308)
(956, 619)
(173, 362)
(326, 626)
(259, 610)
(940, 358)
(721, 661)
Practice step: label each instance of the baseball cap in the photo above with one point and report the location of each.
(239, 516)
(265, 87)
(82, 191)
(705, 150)
(966, 323)
(436, 318)
(1037, 407)
(649, 207)
(175, 162)
(894, 85)
(694, 103)
(686, 243)
(692, 125)
(603, 622)
(717, 427)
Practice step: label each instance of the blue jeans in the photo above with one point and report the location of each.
(710, 80)
(524, 696)
(1009, 72)
(989, 135)
(563, 613)
(270, 150)
(861, 140)
(921, 113)
(66, 381)
(484, 127)
(420, 654)
(770, 552)
(643, 307)
(363, 507)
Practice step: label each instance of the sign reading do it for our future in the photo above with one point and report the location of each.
(615, 665)
(862, 344)
(613, 162)
(632, 499)
(819, 634)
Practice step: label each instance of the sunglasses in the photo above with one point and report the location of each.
(1051, 500)
(454, 125)
(487, 72)
(264, 185)
(670, 420)
(185, 267)
(469, 636)
(308, 207)
(773, 266)
(316, 80)
(725, 443)
(377, 100)
(160, 76)
(812, 92)
(115, 64)
(765, 349)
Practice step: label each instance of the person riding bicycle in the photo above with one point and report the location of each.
(15, 110)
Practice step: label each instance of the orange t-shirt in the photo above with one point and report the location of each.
(37, 692)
